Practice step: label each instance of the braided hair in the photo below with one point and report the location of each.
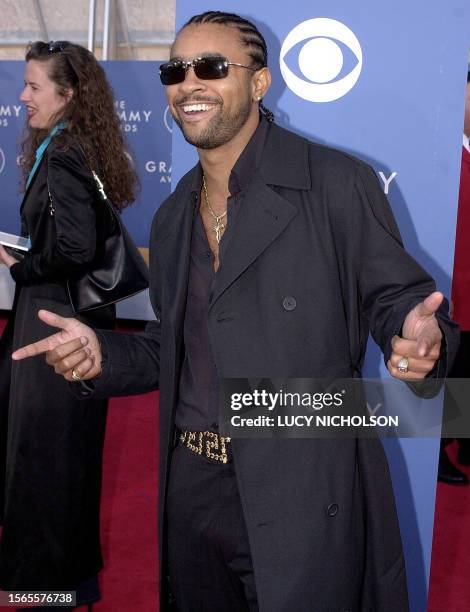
(250, 36)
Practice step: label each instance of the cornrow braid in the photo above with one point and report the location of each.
(250, 36)
(269, 115)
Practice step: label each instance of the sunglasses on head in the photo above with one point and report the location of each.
(205, 68)
(55, 46)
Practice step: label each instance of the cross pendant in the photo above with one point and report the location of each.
(218, 229)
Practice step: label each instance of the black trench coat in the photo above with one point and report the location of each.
(314, 226)
(52, 462)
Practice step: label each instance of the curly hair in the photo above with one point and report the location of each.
(89, 116)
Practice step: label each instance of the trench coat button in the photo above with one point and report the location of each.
(332, 510)
(289, 303)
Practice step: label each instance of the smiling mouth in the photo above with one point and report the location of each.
(195, 110)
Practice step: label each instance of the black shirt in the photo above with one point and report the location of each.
(198, 403)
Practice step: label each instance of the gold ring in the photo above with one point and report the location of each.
(403, 365)
(76, 377)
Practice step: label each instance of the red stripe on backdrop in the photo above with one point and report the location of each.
(129, 505)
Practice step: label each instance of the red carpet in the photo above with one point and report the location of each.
(129, 502)
(450, 566)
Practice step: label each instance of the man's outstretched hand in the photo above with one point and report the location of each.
(420, 342)
(74, 348)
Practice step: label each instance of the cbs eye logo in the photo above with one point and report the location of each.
(2, 160)
(321, 60)
(130, 158)
(167, 119)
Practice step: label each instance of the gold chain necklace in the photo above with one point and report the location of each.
(218, 228)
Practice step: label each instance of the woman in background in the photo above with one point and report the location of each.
(52, 477)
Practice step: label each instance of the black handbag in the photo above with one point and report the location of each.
(118, 271)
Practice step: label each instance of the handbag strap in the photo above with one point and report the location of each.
(99, 186)
(98, 181)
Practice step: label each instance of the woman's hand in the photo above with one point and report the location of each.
(6, 259)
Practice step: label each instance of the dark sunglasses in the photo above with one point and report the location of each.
(205, 68)
(55, 46)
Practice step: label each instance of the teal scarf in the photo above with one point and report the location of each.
(42, 147)
(39, 155)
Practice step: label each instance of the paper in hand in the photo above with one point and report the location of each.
(18, 243)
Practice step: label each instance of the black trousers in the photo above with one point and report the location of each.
(209, 557)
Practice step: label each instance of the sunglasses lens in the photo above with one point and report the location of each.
(206, 68)
(172, 73)
(211, 68)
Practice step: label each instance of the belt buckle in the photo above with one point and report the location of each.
(206, 443)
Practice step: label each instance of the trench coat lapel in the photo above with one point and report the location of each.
(263, 216)
(264, 213)
(174, 247)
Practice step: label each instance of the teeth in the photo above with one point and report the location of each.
(193, 108)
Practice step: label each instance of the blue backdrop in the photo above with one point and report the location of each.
(385, 82)
(141, 105)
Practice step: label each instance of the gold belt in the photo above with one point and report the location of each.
(207, 443)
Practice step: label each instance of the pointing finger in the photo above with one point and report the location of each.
(42, 346)
(49, 343)
(31, 350)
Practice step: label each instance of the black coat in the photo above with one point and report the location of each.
(50, 501)
(314, 226)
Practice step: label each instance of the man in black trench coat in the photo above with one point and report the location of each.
(274, 257)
